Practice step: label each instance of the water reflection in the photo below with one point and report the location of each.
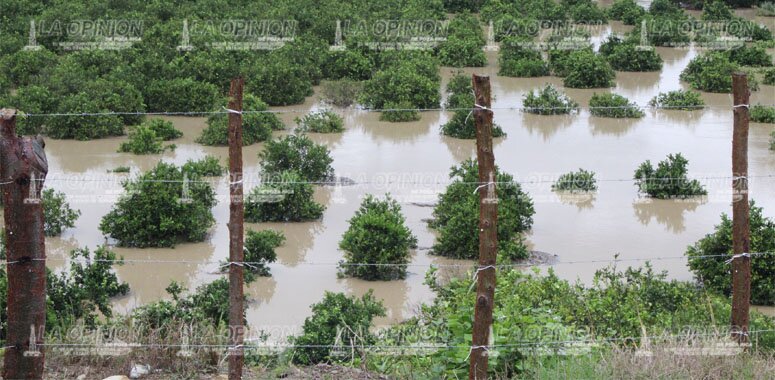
(260, 291)
(546, 126)
(611, 126)
(582, 200)
(668, 212)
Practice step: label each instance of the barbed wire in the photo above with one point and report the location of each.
(421, 346)
(434, 109)
(344, 182)
(429, 266)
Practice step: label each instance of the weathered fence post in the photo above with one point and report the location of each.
(488, 228)
(23, 167)
(236, 233)
(741, 229)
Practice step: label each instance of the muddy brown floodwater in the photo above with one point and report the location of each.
(537, 149)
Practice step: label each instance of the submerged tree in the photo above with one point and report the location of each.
(285, 197)
(668, 180)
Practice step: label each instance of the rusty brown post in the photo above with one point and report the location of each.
(488, 229)
(236, 233)
(23, 167)
(741, 229)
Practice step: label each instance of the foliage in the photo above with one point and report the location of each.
(119, 169)
(625, 56)
(31, 99)
(57, 214)
(260, 250)
(772, 140)
(278, 81)
(763, 114)
(548, 101)
(461, 126)
(299, 153)
(750, 56)
(284, 198)
(411, 79)
(668, 180)
(337, 319)
(664, 7)
(766, 9)
(208, 304)
(377, 235)
(581, 180)
(769, 77)
(710, 72)
(85, 289)
(350, 65)
(160, 209)
(460, 92)
(256, 126)
(209, 166)
(518, 60)
(341, 93)
(456, 216)
(665, 30)
(714, 272)
(399, 112)
(164, 129)
(626, 11)
(143, 140)
(587, 12)
(181, 95)
(463, 46)
(679, 100)
(80, 127)
(613, 105)
(716, 11)
(588, 70)
(26, 67)
(322, 121)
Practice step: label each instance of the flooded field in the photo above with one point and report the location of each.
(411, 161)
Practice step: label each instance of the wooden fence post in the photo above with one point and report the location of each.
(23, 168)
(741, 229)
(488, 228)
(236, 233)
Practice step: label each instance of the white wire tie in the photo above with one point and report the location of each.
(229, 110)
(481, 186)
(241, 264)
(235, 182)
(737, 257)
(482, 107)
(741, 105)
(486, 350)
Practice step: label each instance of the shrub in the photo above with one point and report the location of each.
(57, 213)
(668, 180)
(679, 99)
(460, 92)
(588, 70)
(559, 62)
(587, 12)
(83, 127)
(208, 304)
(31, 100)
(625, 56)
(411, 79)
(548, 101)
(116, 95)
(751, 31)
(714, 272)
(348, 65)
(581, 180)
(613, 105)
(284, 198)
(399, 112)
(85, 289)
(517, 60)
(25, 67)
(769, 77)
(460, 97)
(341, 93)
(337, 319)
(259, 250)
(664, 7)
(160, 209)
(462, 52)
(711, 72)
(256, 126)
(164, 129)
(763, 114)
(298, 153)
(119, 169)
(209, 166)
(626, 11)
(766, 9)
(750, 56)
(322, 121)
(772, 140)
(456, 216)
(461, 126)
(181, 95)
(665, 30)
(377, 235)
(716, 11)
(143, 140)
(278, 82)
